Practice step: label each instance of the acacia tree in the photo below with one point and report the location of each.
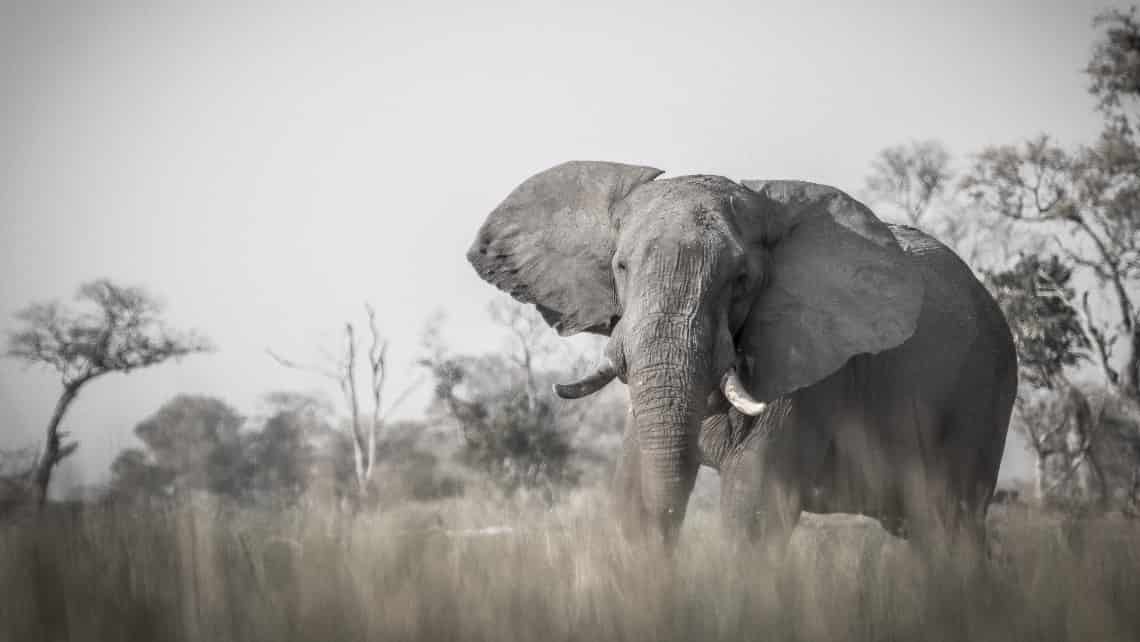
(117, 329)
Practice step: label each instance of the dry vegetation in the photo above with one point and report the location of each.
(204, 572)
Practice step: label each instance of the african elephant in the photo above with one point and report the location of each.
(776, 331)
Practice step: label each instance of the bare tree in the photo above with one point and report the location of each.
(119, 331)
(342, 371)
(910, 177)
(914, 183)
(1060, 431)
(530, 336)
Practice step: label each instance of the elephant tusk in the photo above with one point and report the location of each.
(589, 384)
(738, 396)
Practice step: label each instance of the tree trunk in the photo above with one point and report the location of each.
(53, 451)
(1039, 478)
(1097, 473)
(1130, 377)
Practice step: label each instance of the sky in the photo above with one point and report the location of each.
(267, 168)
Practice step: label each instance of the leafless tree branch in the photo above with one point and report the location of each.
(343, 373)
(1099, 339)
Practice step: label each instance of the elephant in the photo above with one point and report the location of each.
(777, 331)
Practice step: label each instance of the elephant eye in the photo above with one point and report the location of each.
(741, 281)
(621, 266)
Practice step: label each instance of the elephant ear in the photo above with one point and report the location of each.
(550, 243)
(839, 285)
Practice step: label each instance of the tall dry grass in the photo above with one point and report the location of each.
(203, 572)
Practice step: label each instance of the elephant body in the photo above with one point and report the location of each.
(775, 330)
(912, 434)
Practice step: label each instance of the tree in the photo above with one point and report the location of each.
(507, 434)
(529, 334)
(910, 177)
(915, 184)
(1114, 71)
(343, 372)
(1036, 298)
(1093, 224)
(288, 453)
(201, 444)
(192, 443)
(1087, 199)
(135, 474)
(118, 329)
(513, 429)
(1053, 415)
(1059, 428)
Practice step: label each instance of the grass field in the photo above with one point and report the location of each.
(427, 572)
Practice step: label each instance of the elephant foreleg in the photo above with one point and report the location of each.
(761, 495)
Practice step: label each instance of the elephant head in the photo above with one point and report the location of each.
(711, 292)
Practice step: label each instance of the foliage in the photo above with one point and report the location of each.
(134, 474)
(1035, 297)
(507, 435)
(1114, 71)
(291, 453)
(192, 444)
(283, 454)
(514, 431)
(119, 331)
(1087, 199)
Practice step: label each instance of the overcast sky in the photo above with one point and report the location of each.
(266, 170)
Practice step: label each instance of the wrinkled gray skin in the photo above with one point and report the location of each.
(888, 369)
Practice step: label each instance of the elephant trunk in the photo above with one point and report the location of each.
(666, 379)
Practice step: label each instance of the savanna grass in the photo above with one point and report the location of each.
(203, 572)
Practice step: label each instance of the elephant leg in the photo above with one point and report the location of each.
(630, 507)
(959, 485)
(944, 518)
(761, 492)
